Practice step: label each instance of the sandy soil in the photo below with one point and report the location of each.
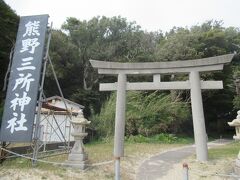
(212, 170)
(129, 166)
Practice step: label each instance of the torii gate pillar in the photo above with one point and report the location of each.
(120, 116)
(120, 122)
(200, 134)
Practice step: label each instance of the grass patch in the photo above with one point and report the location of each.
(17, 163)
(221, 161)
(135, 153)
(160, 138)
(230, 151)
(103, 150)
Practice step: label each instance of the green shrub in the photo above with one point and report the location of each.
(159, 138)
(236, 102)
(104, 122)
(147, 114)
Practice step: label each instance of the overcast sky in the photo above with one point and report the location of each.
(151, 15)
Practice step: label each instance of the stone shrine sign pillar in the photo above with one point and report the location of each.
(190, 67)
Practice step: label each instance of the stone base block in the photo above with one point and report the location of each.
(77, 157)
(237, 167)
(236, 137)
(77, 160)
(77, 164)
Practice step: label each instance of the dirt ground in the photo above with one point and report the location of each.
(212, 170)
(129, 166)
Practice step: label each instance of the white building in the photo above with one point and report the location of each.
(55, 115)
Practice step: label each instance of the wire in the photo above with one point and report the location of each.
(55, 163)
(8, 69)
(201, 173)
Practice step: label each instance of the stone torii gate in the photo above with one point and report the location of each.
(191, 67)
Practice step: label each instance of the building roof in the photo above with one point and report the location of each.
(45, 101)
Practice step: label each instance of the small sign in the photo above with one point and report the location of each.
(23, 87)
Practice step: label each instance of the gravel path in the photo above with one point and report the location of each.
(159, 166)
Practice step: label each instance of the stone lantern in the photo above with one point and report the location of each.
(78, 157)
(236, 123)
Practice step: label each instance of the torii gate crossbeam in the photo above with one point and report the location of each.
(191, 67)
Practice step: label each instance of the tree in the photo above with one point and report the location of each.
(206, 40)
(102, 38)
(115, 39)
(111, 39)
(65, 58)
(8, 28)
(8, 25)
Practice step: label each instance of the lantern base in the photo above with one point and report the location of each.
(78, 164)
(77, 157)
(237, 167)
(236, 137)
(78, 160)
